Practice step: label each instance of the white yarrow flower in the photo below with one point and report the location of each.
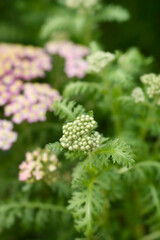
(138, 95)
(97, 61)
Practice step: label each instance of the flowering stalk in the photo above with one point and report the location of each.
(93, 152)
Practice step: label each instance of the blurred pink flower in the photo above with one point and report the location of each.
(75, 65)
(17, 63)
(39, 164)
(32, 104)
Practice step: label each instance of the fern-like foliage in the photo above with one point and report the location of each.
(63, 18)
(61, 22)
(114, 13)
(150, 205)
(89, 198)
(146, 175)
(115, 151)
(67, 110)
(55, 147)
(86, 205)
(27, 211)
(82, 88)
(143, 172)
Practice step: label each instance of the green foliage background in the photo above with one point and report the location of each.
(21, 21)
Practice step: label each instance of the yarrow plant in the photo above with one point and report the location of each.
(32, 104)
(88, 175)
(93, 152)
(40, 164)
(7, 135)
(75, 65)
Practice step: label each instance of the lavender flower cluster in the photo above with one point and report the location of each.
(7, 136)
(75, 65)
(17, 63)
(32, 104)
(39, 164)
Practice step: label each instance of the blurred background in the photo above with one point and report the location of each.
(21, 21)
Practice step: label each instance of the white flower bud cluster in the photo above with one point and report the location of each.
(153, 82)
(81, 3)
(148, 78)
(138, 95)
(97, 61)
(79, 135)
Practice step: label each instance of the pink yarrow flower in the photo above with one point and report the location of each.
(19, 63)
(40, 164)
(32, 104)
(75, 65)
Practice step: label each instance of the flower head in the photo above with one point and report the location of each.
(79, 135)
(32, 104)
(152, 81)
(98, 60)
(19, 63)
(39, 164)
(138, 95)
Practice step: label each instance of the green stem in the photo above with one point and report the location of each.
(148, 120)
(89, 232)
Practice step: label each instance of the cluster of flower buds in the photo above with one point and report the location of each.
(81, 3)
(80, 135)
(138, 95)
(75, 65)
(32, 105)
(40, 164)
(7, 136)
(98, 60)
(153, 84)
(20, 63)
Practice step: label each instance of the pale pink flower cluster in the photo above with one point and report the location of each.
(18, 62)
(8, 88)
(39, 164)
(7, 136)
(75, 65)
(32, 104)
